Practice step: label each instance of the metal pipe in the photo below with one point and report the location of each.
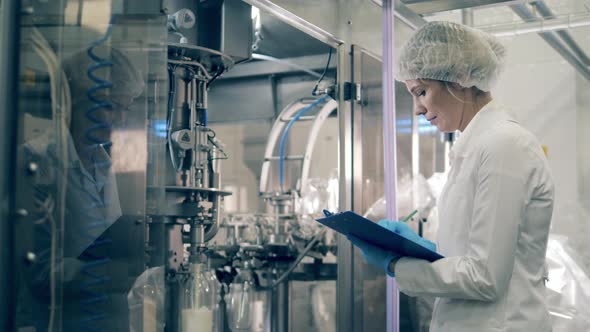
(286, 63)
(389, 146)
(9, 66)
(214, 182)
(565, 35)
(280, 308)
(172, 303)
(522, 11)
(467, 16)
(213, 228)
(299, 258)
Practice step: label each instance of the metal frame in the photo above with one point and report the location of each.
(296, 21)
(405, 14)
(345, 282)
(9, 65)
(357, 172)
(288, 66)
(389, 145)
(553, 41)
(424, 7)
(564, 34)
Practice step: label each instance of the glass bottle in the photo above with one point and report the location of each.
(197, 308)
(240, 297)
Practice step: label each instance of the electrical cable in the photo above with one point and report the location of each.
(299, 258)
(315, 88)
(286, 132)
(170, 116)
(61, 115)
(215, 76)
(192, 63)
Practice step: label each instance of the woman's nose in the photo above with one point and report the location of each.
(419, 110)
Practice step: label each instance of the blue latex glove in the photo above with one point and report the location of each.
(406, 231)
(374, 255)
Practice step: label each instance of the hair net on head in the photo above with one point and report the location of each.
(452, 52)
(127, 79)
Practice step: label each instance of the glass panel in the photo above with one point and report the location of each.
(369, 281)
(247, 105)
(356, 22)
(88, 80)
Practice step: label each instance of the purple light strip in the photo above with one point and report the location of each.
(389, 144)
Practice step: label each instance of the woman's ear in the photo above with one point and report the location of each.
(457, 86)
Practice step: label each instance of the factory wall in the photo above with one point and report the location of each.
(547, 96)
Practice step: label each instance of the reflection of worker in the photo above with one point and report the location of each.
(495, 210)
(91, 197)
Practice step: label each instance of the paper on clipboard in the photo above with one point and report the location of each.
(350, 223)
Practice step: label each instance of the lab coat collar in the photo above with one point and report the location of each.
(481, 122)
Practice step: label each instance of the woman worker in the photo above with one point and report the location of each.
(495, 209)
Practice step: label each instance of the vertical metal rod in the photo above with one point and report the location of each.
(173, 294)
(344, 283)
(280, 308)
(389, 144)
(9, 64)
(192, 121)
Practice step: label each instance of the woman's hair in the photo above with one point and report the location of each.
(474, 90)
(448, 85)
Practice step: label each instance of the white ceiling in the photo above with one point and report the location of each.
(502, 15)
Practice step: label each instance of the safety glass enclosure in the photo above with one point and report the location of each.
(170, 159)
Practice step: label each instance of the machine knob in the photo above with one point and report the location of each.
(182, 19)
(184, 139)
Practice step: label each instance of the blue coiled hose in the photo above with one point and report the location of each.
(92, 298)
(286, 132)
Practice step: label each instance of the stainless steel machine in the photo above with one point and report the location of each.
(139, 123)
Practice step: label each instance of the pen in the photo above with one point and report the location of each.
(406, 219)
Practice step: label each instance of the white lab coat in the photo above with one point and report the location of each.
(494, 217)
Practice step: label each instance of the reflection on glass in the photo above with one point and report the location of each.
(318, 194)
(240, 297)
(323, 301)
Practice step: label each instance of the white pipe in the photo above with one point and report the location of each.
(568, 22)
(285, 63)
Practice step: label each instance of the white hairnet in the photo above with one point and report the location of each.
(452, 52)
(126, 76)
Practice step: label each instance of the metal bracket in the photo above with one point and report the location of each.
(352, 91)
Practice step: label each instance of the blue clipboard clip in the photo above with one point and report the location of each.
(327, 213)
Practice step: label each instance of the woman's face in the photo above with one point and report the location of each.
(433, 100)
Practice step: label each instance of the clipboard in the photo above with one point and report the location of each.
(350, 223)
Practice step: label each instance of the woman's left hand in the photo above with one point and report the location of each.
(374, 255)
(406, 231)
